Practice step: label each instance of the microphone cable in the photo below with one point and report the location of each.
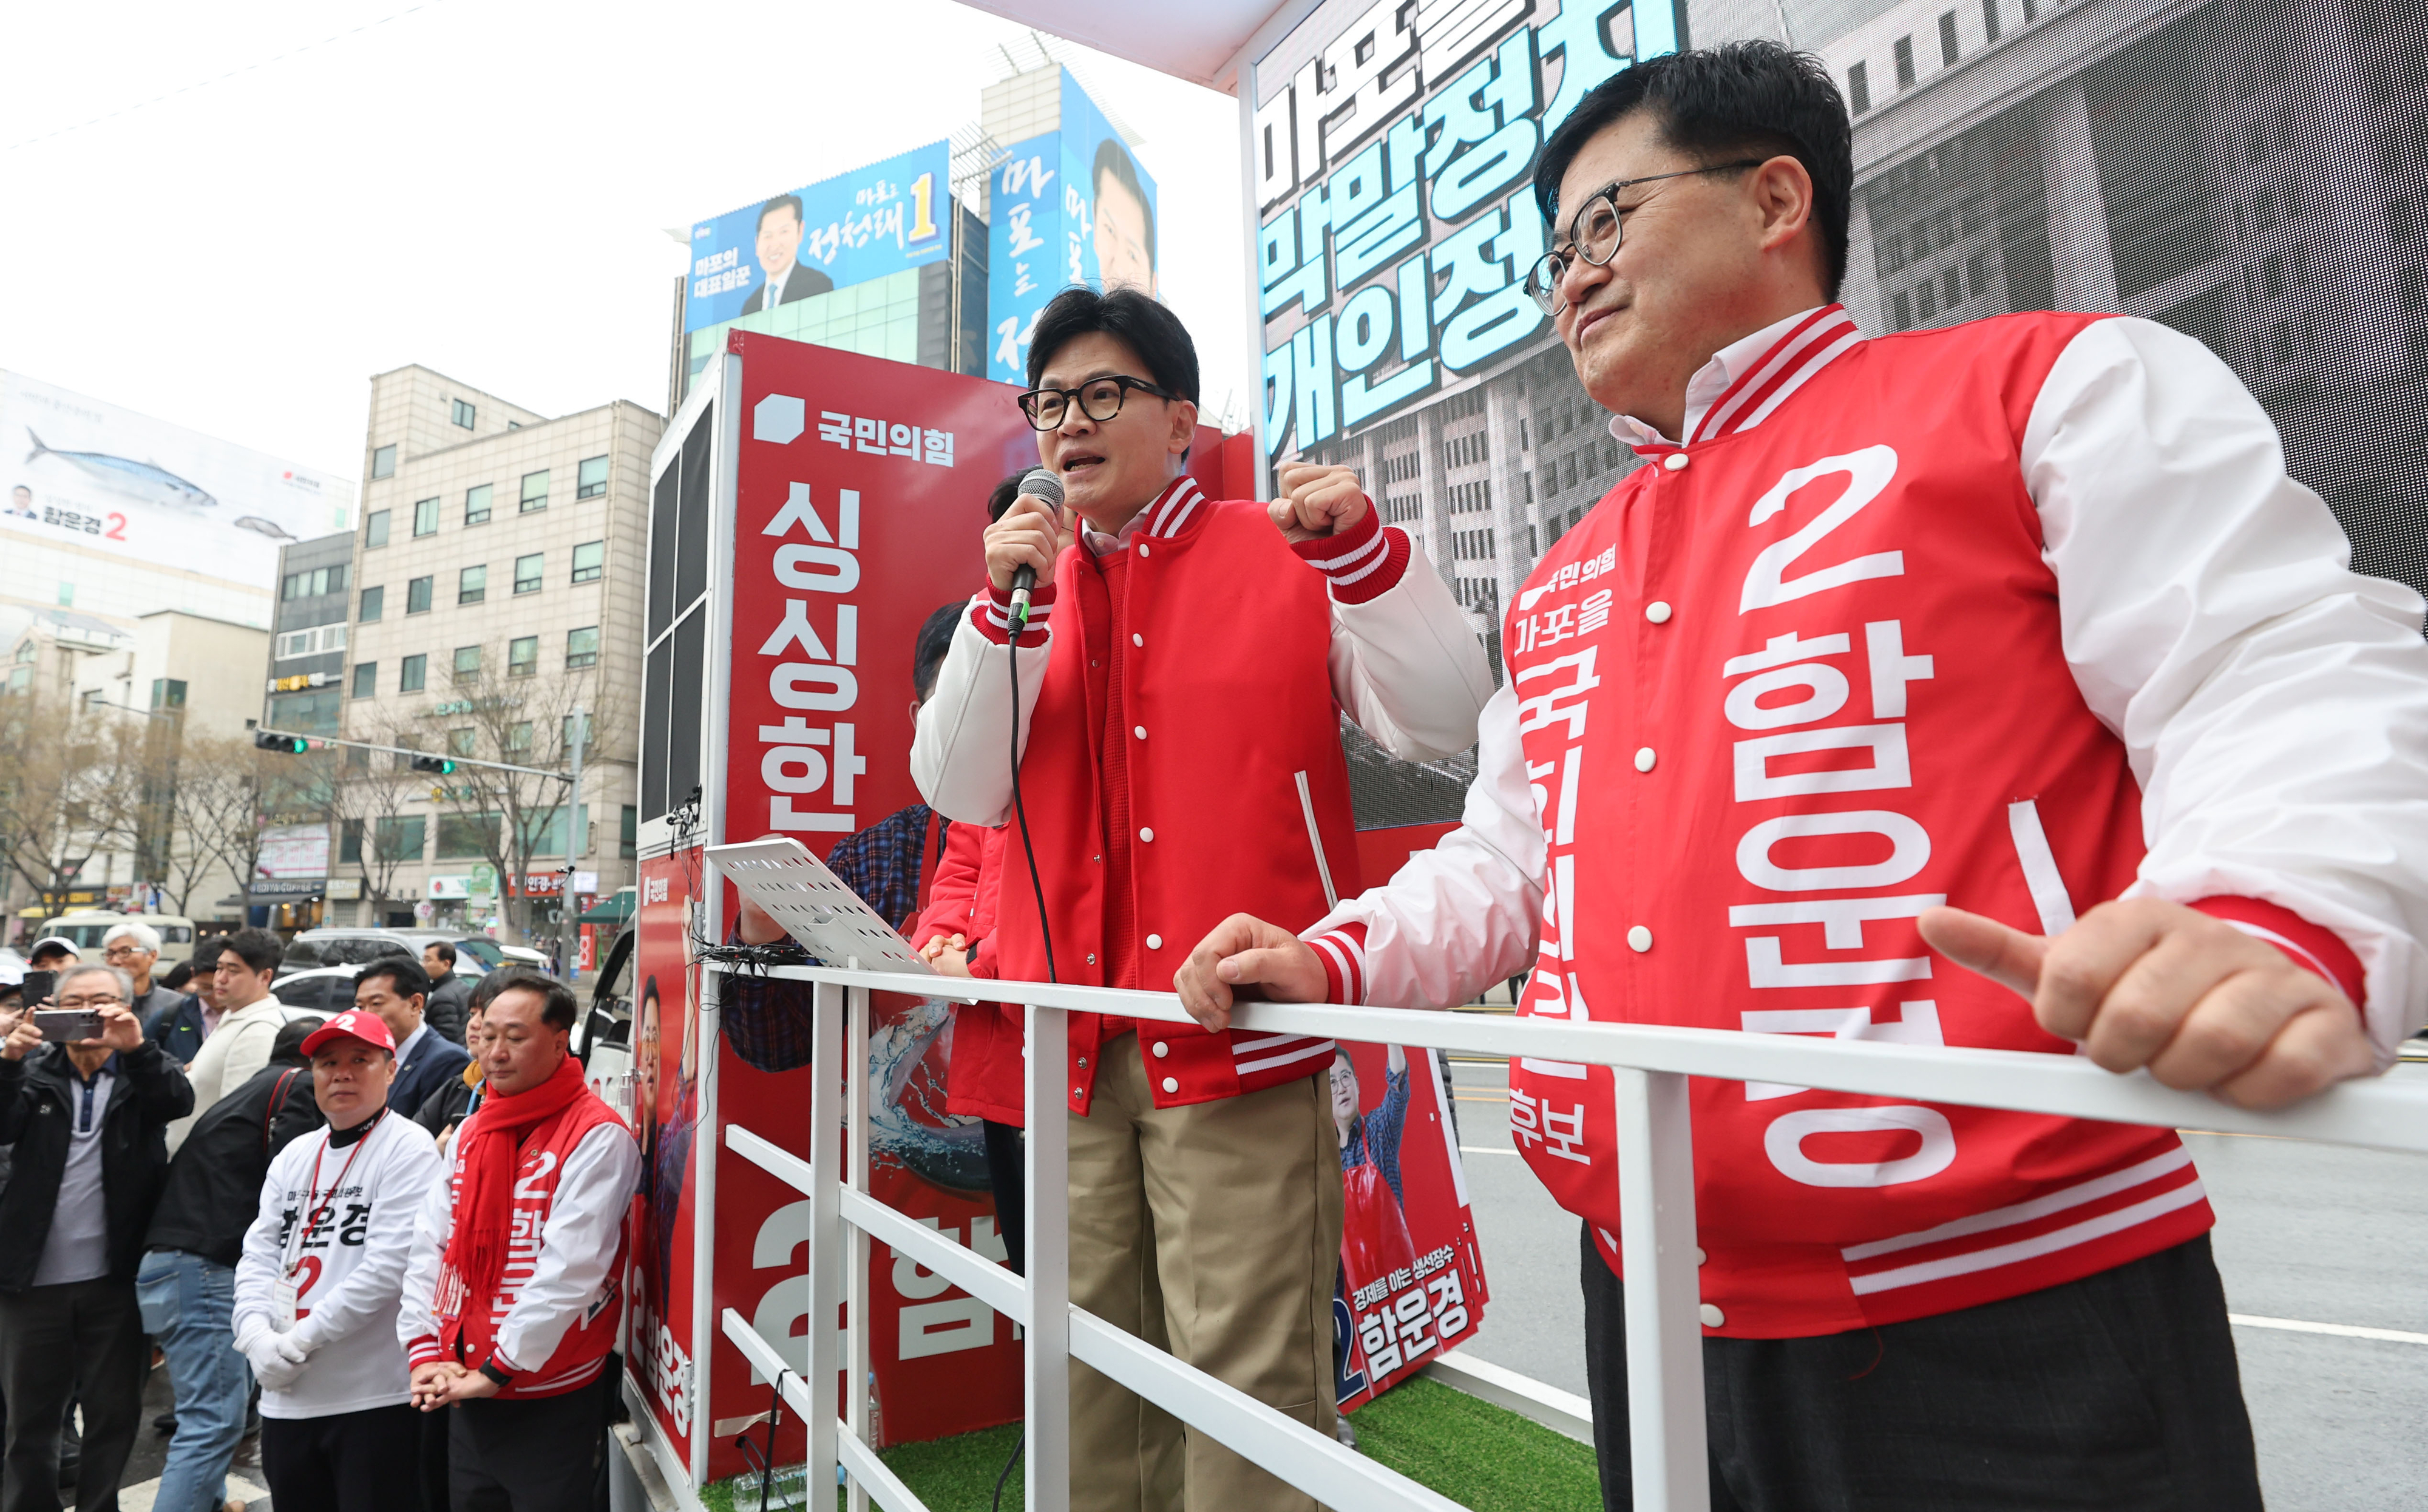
(1045, 931)
(1019, 812)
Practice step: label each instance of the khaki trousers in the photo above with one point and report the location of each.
(1212, 1231)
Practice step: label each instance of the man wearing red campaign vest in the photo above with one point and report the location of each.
(2010, 646)
(1178, 730)
(511, 1299)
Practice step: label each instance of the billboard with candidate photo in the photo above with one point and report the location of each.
(867, 224)
(81, 471)
(1069, 207)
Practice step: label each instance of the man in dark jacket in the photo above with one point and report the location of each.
(181, 1027)
(395, 988)
(449, 994)
(186, 1285)
(89, 1120)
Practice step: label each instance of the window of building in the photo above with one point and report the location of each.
(466, 836)
(468, 666)
(589, 561)
(582, 647)
(1859, 83)
(464, 414)
(1947, 52)
(472, 583)
(366, 680)
(425, 518)
(476, 504)
(535, 491)
(350, 841)
(518, 737)
(522, 656)
(375, 529)
(317, 713)
(358, 760)
(168, 693)
(1905, 62)
(401, 839)
(374, 599)
(592, 480)
(383, 461)
(463, 741)
(629, 843)
(514, 425)
(417, 596)
(528, 570)
(589, 731)
(67, 594)
(544, 831)
(410, 673)
(1990, 19)
(1904, 311)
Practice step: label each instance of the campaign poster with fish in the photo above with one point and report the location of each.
(80, 472)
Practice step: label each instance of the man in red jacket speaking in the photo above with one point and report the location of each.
(1180, 689)
(2007, 647)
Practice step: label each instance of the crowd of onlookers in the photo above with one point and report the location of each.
(389, 1242)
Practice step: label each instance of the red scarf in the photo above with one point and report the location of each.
(491, 1139)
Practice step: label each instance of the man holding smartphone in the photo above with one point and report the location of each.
(87, 1117)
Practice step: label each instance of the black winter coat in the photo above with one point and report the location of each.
(37, 1099)
(446, 1009)
(214, 1185)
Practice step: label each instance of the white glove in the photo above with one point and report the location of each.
(292, 1348)
(268, 1352)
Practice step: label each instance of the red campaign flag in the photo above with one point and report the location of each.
(1411, 1275)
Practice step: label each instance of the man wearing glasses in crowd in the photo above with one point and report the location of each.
(87, 1118)
(1180, 750)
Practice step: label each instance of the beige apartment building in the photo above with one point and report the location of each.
(497, 583)
(184, 686)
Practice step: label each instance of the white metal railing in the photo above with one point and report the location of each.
(1665, 1364)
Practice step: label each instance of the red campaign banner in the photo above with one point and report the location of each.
(661, 1284)
(861, 488)
(1411, 1276)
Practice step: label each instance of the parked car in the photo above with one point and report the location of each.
(347, 947)
(88, 927)
(492, 955)
(318, 991)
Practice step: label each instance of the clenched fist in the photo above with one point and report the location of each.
(1316, 500)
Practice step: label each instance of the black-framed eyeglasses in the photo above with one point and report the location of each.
(1100, 399)
(1595, 230)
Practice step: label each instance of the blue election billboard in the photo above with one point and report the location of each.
(847, 229)
(1392, 183)
(1071, 206)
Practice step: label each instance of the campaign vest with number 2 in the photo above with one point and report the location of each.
(1779, 692)
(468, 1331)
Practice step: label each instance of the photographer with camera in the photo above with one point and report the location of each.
(88, 1115)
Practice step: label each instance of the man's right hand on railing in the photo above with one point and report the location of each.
(1246, 956)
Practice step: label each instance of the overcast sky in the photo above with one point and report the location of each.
(483, 186)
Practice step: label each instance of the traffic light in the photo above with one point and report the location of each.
(291, 745)
(433, 764)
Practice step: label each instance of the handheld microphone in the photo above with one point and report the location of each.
(1040, 483)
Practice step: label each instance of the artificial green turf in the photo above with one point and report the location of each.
(1477, 1454)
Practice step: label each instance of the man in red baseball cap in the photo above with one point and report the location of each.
(325, 1265)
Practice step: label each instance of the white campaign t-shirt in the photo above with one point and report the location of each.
(347, 1266)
